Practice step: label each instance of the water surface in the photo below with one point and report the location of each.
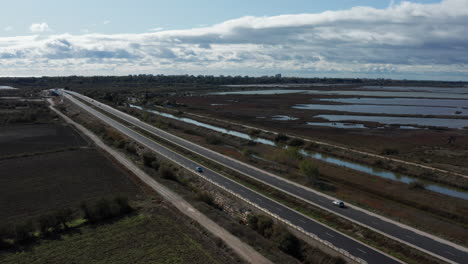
(399, 101)
(387, 109)
(389, 120)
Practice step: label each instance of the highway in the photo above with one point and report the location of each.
(434, 246)
(339, 240)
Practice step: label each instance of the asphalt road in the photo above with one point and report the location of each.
(339, 240)
(427, 243)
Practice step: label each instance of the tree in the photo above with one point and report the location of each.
(24, 232)
(148, 159)
(309, 170)
(63, 216)
(289, 244)
(48, 223)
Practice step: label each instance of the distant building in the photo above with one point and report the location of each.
(278, 75)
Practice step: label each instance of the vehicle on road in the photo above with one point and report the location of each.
(199, 169)
(339, 203)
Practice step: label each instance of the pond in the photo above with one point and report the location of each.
(395, 120)
(387, 109)
(399, 101)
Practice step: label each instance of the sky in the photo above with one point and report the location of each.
(334, 38)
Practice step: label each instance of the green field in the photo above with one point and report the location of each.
(144, 238)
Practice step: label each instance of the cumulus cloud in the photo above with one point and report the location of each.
(8, 28)
(405, 39)
(39, 27)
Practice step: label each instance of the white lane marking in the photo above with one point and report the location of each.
(330, 235)
(450, 253)
(410, 237)
(302, 221)
(361, 250)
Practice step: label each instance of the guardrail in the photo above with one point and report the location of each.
(300, 229)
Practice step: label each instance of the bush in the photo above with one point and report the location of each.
(48, 223)
(63, 216)
(309, 170)
(417, 185)
(390, 151)
(130, 148)
(296, 142)
(208, 199)
(148, 159)
(166, 173)
(281, 138)
(7, 232)
(214, 140)
(24, 232)
(288, 243)
(123, 204)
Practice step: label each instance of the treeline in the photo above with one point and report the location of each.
(24, 112)
(14, 236)
(147, 80)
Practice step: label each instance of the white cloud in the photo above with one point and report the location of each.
(156, 29)
(106, 22)
(8, 28)
(39, 27)
(405, 39)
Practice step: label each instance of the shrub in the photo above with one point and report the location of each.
(296, 142)
(207, 198)
(123, 204)
(166, 172)
(131, 148)
(7, 232)
(281, 138)
(63, 216)
(148, 158)
(309, 170)
(48, 223)
(390, 151)
(24, 232)
(214, 140)
(417, 185)
(288, 243)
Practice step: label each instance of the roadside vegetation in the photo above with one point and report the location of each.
(385, 244)
(228, 212)
(16, 236)
(402, 202)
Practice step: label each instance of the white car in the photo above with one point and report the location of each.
(339, 203)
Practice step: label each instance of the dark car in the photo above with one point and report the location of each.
(199, 169)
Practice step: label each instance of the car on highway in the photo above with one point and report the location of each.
(199, 169)
(339, 203)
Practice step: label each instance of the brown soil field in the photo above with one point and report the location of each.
(32, 185)
(33, 138)
(424, 146)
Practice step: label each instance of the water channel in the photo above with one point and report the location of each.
(329, 159)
